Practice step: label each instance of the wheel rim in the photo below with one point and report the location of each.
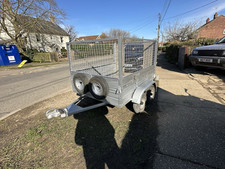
(138, 108)
(79, 84)
(97, 88)
(152, 96)
(142, 104)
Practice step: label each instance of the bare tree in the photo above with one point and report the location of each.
(19, 17)
(180, 32)
(71, 31)
(118, 33)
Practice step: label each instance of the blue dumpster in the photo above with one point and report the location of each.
(9, 55)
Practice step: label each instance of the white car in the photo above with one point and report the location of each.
(209, 56)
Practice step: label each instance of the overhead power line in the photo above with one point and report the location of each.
(140, 27)
(192, 10)
(144, 25)
(166, 11)
(164, 6)
(146, 22)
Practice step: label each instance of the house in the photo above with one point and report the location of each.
(45, 36)
(214, 29)
(161, 44)
(93, 37)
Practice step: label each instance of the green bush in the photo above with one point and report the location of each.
(42, 57)
(172, 52)
(54, 56)
(163, 49)
(30, 53)
(63, 49)
(46, 57)
(204, 41)
(188, 43)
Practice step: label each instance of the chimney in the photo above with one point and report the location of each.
(52, 19)
(207, 20)
(215, 15)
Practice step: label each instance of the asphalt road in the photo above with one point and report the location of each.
(21, 89)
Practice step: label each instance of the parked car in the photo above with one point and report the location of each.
(210, 56)
(133, 57)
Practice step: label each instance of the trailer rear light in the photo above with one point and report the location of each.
(80, 83)
(98, 87)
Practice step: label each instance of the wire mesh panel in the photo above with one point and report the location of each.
(99, 57)
(137, 55)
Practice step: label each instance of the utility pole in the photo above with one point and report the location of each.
(158, 28)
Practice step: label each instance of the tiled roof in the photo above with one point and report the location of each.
(41, 26)
(221, 16)
(87, 37)
(93, 37)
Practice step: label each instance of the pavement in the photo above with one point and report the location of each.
(191, 122)
(24, 87)
(211, 79)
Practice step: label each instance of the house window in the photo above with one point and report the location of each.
(224, 31)
(38, 37)
(61, 38)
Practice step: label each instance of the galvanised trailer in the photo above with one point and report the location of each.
(113, 71)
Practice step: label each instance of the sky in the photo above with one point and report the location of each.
(139, 17)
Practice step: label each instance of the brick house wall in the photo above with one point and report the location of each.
(214, 29)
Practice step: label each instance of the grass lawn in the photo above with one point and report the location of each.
(32, 64)
(104, 136)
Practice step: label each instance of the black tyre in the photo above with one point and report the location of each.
(80, 83)
(139, 108)
(98, 87)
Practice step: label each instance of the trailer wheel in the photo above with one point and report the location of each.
(98, 87)
(80, 83)
(138, 108)
(151, 93)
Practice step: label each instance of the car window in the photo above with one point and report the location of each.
(221, 40)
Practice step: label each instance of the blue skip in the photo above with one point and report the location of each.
(9, 55)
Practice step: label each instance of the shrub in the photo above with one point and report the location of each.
(204, 41)
(54, 56)
(42, 57)
(172, 52)
(63, 49)
(163, 49)
(30, 53)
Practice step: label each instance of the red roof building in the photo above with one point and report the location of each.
(214, 29)
(93, 37)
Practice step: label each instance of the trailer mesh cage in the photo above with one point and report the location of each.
(112, 57)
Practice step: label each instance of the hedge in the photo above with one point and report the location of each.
(46, 57)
